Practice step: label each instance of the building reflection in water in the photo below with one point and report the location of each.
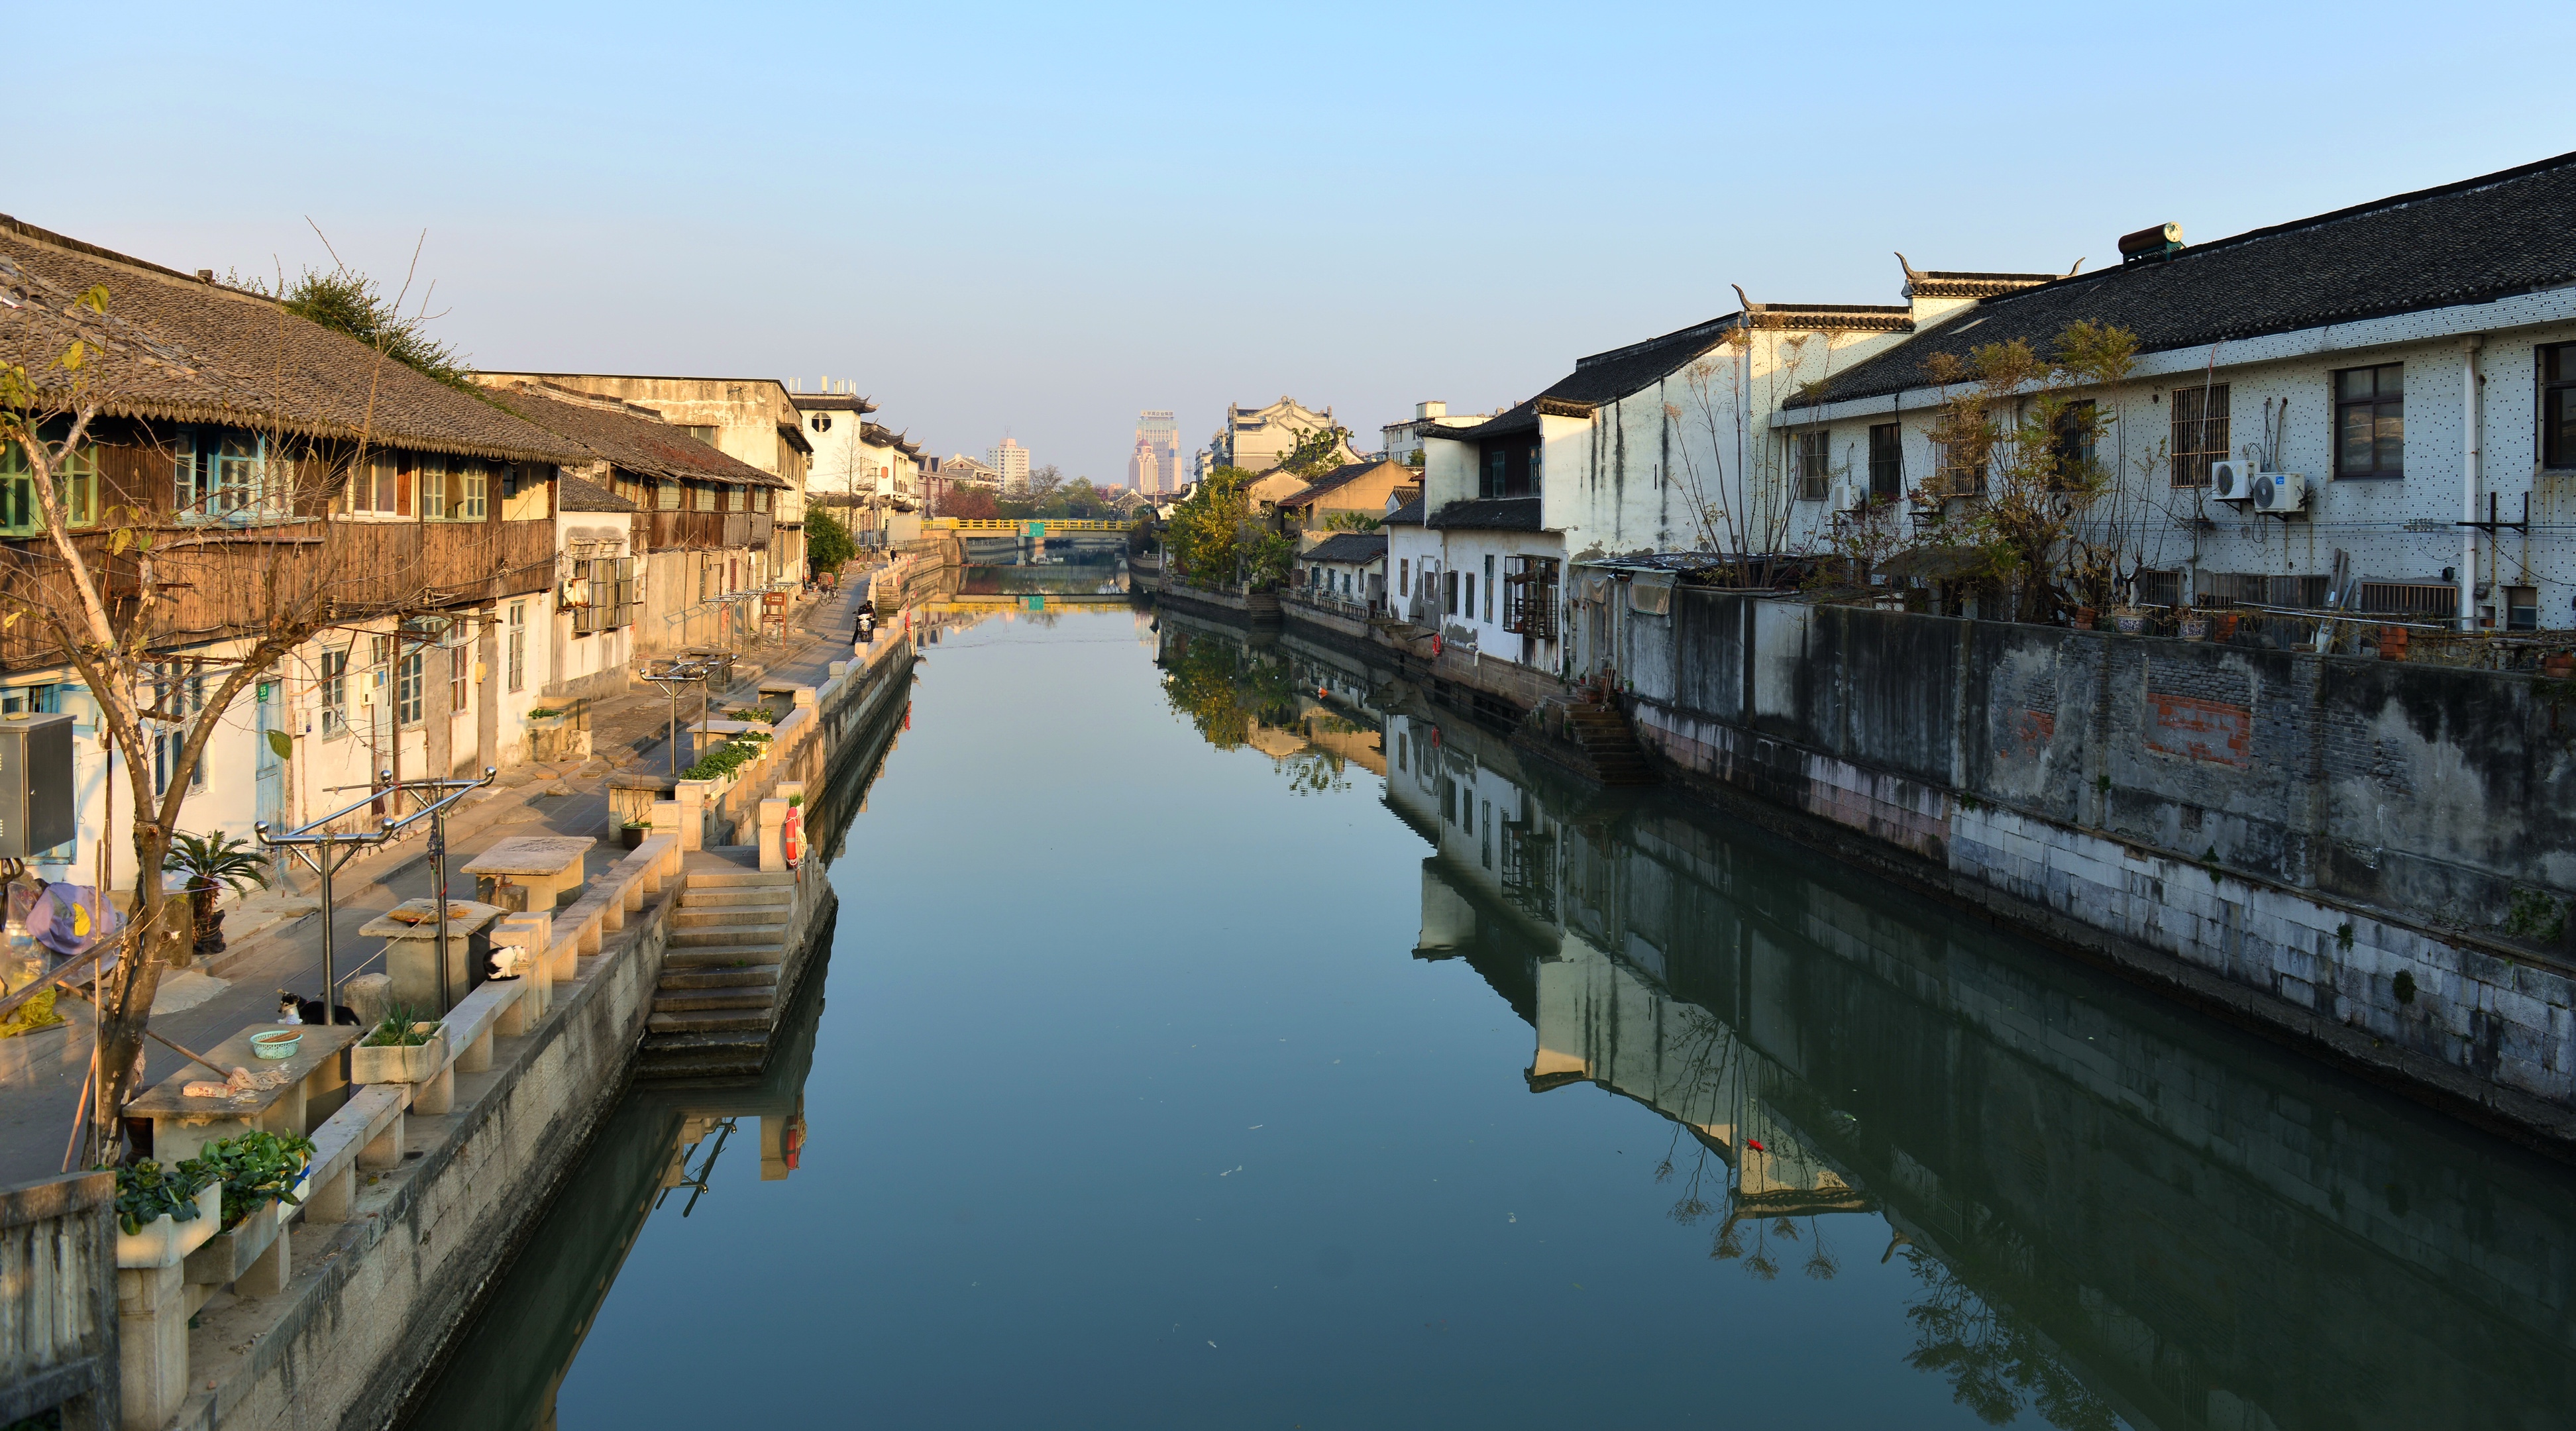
(2112, 1211)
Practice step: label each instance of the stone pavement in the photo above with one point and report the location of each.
(276, 940)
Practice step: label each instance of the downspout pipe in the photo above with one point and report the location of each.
(2468, 570)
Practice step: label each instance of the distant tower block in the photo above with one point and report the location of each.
(1158, 434)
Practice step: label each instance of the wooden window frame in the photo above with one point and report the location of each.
(22, 515)
(1886, 461)
(1815, 455)
(2555, 365)
(2377, 402)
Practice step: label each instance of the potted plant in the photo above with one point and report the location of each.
(163, 1214)
(2194, 627)
(2224, 627)
(404, 1048)
(2130, 620)
(209, 863)
(2086, 618)
(632, 834)
(257, 1172)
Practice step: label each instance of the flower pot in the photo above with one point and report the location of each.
(2129, 623)
(382, 1063)
(2392, 643)
(2086, 618)
(2194, 628)
(165, 1241)
(2224, 628)
(227, 1255)
(632, 836)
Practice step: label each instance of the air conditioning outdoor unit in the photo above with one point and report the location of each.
(2231, 479)
(2280, 491)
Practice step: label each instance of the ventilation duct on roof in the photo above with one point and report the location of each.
(2148, 245)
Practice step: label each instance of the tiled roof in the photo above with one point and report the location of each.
(831, 402)
(1360, 547)
(2470, 242)
(627, 436)
(1341, 476)
(181, 348)
(1487, 514)
(1408, 515)
(580, 494)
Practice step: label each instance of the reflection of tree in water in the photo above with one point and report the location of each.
(1232, 695)
(1996, 1367)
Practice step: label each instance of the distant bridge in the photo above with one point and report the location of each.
(1022, 527)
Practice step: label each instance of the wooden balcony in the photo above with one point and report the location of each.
(215, 581)
(707, 531)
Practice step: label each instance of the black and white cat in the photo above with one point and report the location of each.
(292, 1010)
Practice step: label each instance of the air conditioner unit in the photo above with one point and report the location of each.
(2231, 479)
(2280, 491)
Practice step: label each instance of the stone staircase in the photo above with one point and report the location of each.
(719, 999)
(1589, 738)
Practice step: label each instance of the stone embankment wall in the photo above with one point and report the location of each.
(373, 1301)
(2374, 858)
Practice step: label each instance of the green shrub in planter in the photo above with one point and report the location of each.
(146, 1190)
(255, 1169)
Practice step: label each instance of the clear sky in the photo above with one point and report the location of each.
(1040, 219)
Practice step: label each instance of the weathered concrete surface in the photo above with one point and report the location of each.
(2375, 859)
(373, 1299)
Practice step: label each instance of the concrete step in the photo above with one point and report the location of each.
(709, 1021)
(721, 1063)
(717, 896)
(754, 1044)
(670, 1001)
(720, 956)
(738, 879)
(746, 977)
(746, 932)
(686, 917)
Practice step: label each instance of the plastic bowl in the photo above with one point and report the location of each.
(280, 1044)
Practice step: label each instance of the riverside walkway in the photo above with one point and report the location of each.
(41, 1072)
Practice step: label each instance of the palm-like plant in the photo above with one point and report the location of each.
(211, 862)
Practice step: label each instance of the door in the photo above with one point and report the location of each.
(271, 722)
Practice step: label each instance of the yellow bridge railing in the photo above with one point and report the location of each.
(1040, 527)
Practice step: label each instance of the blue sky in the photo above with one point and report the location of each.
(1039, 219)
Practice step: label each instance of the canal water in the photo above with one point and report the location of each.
(1216, 1035)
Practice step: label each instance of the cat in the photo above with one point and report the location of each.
(292, 1010)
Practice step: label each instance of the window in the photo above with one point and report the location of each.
(518, 646)
(1529, 600)
(2370, 421)
(822, 423)
(459, 670)
(473, 492)
(666, 495)
(760, 500)
(706, 435)
(1404, 574)
(218, 472)
(22, 512)
(1886, 462)
(1962, 476)
(1815, 458)
(1449, 592)
(1494, 468)
(452, 490)
(2558, 406)
(2074, 446)
(333, 684)
(407, 690)
(380, 487)
(2522, 608)
(178, 693)
(706, 494)
(2199, 432)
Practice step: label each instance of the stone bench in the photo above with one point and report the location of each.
(367, 1133)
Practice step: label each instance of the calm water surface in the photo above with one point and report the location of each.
(1215, 1036)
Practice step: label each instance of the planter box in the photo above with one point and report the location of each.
(227, 1255)
(165, 1241)
(385, 1064)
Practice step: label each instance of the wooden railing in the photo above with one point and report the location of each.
(707, 531)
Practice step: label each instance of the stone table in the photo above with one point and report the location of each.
(182, 1125)
(545, 865)
(409, 958)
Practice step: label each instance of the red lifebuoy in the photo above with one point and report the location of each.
(792, 835)
(1435, 645)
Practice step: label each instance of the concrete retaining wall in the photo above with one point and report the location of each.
(2373, 857)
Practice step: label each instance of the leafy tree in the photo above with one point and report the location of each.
(350, 302)
(1317, 453)
(1345, 519)
(1215, 540)
(1044, 481)
(827, 542)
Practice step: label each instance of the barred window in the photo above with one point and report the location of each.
(2199, 432)
(1815, 459)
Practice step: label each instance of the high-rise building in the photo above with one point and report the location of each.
(1011, 460)
(1156, 466)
